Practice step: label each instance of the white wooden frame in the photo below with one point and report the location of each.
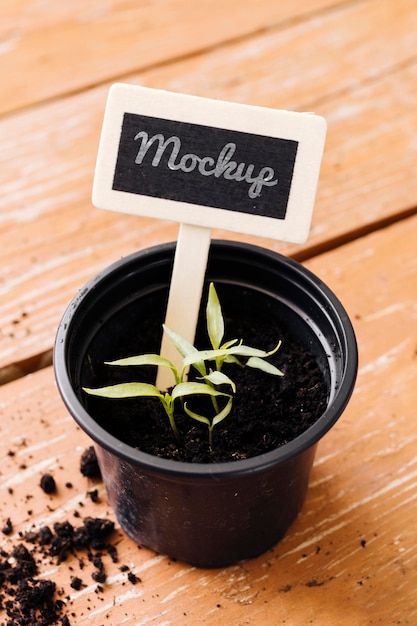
(307, 129)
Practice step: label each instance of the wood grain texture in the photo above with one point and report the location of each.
(357, 56)
(350, 557)
(49, 49)
(302, 63)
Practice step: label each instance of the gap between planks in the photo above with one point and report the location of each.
(19, 369)
(124, 76)
(367, 229)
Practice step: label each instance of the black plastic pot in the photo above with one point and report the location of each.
(209, 515)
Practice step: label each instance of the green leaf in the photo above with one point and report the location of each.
(204, 355)
(183, 346)
(216, 420)
(260, 364)
(228, 344)
(277, 347)
(215, 322)
(224, 413)
(218, 378)
(247, 351)
(196, 416)
(143, 359)
(148, 359)
(188, 389)
(211, 355)
(234, 360)
(126, 390)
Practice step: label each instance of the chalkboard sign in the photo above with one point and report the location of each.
(202, 165)
(209, 163)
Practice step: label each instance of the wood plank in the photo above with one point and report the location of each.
(53, 240)
(49, 49)
(300, 65)
(351, 556)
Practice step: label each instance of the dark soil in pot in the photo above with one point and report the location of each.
(268, 411)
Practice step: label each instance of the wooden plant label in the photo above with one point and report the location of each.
(209, 163)
(206, 164)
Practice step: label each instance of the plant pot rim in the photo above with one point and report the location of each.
(175, 469)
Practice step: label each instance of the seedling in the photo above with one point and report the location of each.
(208, 365)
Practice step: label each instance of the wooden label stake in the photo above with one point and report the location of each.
(185, 291)
(206, 164)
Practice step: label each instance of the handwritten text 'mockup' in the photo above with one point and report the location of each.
(206, 165)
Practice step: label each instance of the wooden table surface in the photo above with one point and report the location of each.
(351, 555)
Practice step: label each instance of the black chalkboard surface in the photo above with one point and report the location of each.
(198, 164)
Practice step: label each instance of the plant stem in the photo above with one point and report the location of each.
(174, 428)
(169, 410)
(210, 429)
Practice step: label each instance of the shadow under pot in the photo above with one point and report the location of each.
(209, 508)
